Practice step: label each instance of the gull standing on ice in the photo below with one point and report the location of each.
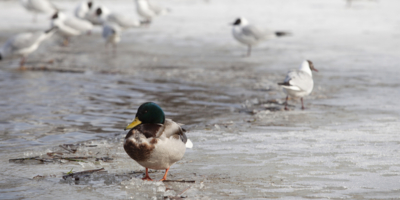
(111, 34)
(299, 83)
(149, 10)
(249, 35)
(38, 6)
(83, 8)
(70, 26)
(24, 44)
(123, 21)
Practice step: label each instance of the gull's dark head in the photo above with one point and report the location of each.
(99, 11)
(55, 16)
(311, 65)
(238, 21)
(90, 4)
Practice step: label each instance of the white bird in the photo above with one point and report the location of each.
(83, 8)
(70, 26)
(250, 35)
(85, 11)
(24, 44)
(111, 34)
(38, 6)
(123, 21)
(159, 10)
(299, 83)
(149, 10)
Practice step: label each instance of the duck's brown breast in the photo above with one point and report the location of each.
(139, 151)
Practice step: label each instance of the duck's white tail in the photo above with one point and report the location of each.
(189, 144)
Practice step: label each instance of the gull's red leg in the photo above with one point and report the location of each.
(286, 102)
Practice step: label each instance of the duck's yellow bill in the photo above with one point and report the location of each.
(134, 123)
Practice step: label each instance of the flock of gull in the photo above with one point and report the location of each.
(153, 141)
(86, 16)
(298, 83)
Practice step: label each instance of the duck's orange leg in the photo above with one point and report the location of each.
(147, 177)
(165, 175)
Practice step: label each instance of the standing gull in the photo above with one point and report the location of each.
(85, 11)
(70, 26)
(124, 21)
(38, 6)
(83, 8)
(250, 35)
(149, 10)
(299, 83)
(111, 34)
(24, 44)
(153, 141)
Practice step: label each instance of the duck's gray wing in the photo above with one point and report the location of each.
(173, 129)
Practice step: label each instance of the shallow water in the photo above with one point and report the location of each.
(344, 145)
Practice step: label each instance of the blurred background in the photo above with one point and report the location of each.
(343, 145)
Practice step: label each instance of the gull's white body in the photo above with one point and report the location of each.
(23, 44)
(249, 34)
(111, 33)
(38, 6)
(143, 9)
(121, 20)
(82, 11)
(148, 10)
(71, 26)
(300, 80)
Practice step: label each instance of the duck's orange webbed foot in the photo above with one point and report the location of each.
(147, 177)
(165, 175)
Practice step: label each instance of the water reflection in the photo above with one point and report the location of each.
(47, 108)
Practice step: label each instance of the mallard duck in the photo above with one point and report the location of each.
(153, 141)
(299, 83)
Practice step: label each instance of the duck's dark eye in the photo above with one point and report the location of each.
(144, 112)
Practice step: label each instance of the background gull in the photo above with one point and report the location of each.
(299, 83)
(111, 34)
(70, 26)
(148, 10)
(38, 6)
(122, 20)
(251, 35)
(84, 11)
(24, 44)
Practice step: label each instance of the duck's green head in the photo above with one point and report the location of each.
(148, 113)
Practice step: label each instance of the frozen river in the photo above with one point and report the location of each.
(343, 146)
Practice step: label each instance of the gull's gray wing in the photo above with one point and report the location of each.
(299, 79)
(110, 29)
(252, 31)
(23, 40)
(78, 24)
(123, 20)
